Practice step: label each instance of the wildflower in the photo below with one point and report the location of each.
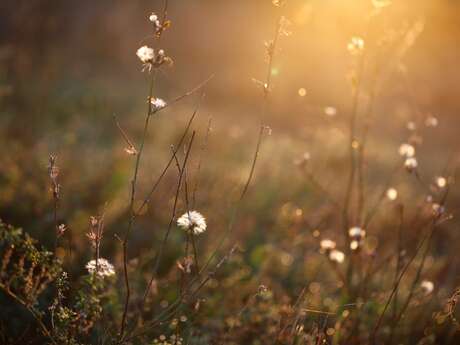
(357, 235)
(193, 222)
(411, 163)
(441, 182)
(145, 54)
(157, 104)
(154, 18)
(356, 231)
(392, 194)
(406, 150)
(431, 121)
(155, 21)
(327, 244)
(150, 59)
(103, 269)
(61, 229)
(337, 256)
(330, 111)
(427, 287)
(356, 45)
(158, 26)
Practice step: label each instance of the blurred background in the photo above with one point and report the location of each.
(67, 67)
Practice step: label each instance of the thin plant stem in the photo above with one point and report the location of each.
(398, 281)
(131, 207)
(171, 221)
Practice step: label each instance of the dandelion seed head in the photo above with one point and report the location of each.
(427, 286)
(357, 234)
(153, 18)
(327, 244)
(356, 231)
(411, 163)
(145, 54)
(192, 221)
(337, 256)
(406, 150)
(441, 182)
(104, 268)
(157, 104)
(354, 245)
(392, 194)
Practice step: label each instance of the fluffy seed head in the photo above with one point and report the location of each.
(157, 104)
(327, 244)
(427, 286)
(410, 163)
(336, 256)
(192, 221)
(406, 150)
(441, 182)
(356, 231)
(392, 194)
(145, 54)
(104, 268)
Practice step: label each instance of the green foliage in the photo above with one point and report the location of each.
(26, 270)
